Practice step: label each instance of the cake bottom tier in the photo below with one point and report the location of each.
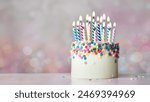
(94, 67)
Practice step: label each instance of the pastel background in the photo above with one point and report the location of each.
(35, 35)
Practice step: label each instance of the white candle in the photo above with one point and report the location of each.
(87, 28)
(113, 32)
(109, 26)
(108, 30)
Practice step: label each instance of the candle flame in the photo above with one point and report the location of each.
(97, 18)
(96, 28)
(93, 14)
(114, 25)
(101, 19)
(73, 23)
(104, 16)
(108, 19)
(80, 18)
(87, 17)
(78, 23)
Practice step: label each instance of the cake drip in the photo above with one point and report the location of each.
(83, 49)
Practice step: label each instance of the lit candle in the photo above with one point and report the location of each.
(103, 32)
(108, 30)
(81, 27)
(113, 32)
(93, 25)
(93, 14)
(74, 31)
(104, 17)
(109, 26)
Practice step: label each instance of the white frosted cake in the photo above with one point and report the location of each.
(94, 53)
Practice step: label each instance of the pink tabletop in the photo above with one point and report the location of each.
(65, 79)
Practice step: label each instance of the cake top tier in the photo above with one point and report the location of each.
(97, 29)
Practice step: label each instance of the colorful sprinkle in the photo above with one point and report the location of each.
(84, 49)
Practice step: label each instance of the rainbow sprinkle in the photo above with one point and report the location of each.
(84, 49)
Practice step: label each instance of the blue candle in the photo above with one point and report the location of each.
(93, 25)
(78, 31)
(101, 27)
(74, 31)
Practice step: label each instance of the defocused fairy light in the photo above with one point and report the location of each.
(27, 50)
(40, 54)
(36, 24)
(36, 64)
(136, 57)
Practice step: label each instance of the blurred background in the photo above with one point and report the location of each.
(35, 35)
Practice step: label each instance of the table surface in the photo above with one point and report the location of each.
(65, 79)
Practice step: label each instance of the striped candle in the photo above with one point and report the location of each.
(101, 27)
(108, 30)
(109, 26)
(89, 30)
(93, 25)
(113, 32)
(74, 31)
(95, 33)
(98, 30)
(103, 31)
(78, 31)
(81, 27)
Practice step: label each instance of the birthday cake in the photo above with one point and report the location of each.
(94, 53)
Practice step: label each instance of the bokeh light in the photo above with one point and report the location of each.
(35, 35)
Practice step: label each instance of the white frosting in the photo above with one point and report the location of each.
(104, 67)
